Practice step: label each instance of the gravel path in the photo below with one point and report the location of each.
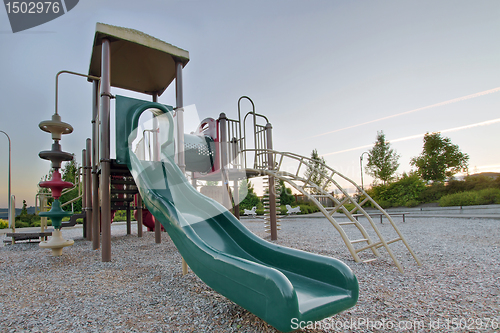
(142, 288)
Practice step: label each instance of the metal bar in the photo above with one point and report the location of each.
(391, 241)
(96, 225)
(12, 201)
(376, 245)
(10, 215)
(139, 215)
(346, 223)
(129, 220)
(179, 100)
(272, 184)
(95, 78)
(43, 205)
(359, 240)
(84, 196)
(180, 117)
(156, 157)
(88, 189)
(105, 151)
(236, 208)
(223, 155)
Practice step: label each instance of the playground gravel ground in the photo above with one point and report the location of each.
(142, 289)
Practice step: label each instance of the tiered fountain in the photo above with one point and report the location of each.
(56, 127)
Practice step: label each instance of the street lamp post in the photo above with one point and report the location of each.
(361, 167)
(10, 208)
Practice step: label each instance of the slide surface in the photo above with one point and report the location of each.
(283, 286)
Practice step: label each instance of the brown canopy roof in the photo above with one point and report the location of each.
(139, 62)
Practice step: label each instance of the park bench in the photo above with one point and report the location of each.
(31, 237)
(382, 215)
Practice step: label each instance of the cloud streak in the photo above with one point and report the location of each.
(455, 100)
(411, 137)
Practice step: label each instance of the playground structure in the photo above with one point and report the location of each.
(56, 127)
(153, 166)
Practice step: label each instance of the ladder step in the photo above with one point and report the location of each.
(359, 240)
(392, 241)
(369, 260)
(376, 245)
(121, 199)
(124, 182)
(379, 244)
(134, 191)
(346, 223)
(117, 207)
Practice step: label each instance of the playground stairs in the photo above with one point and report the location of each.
(267, 212)
(363, 248)
(123, 187)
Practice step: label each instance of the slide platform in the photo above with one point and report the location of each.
(283, 286)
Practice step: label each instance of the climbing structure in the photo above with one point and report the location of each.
(288, 167)
(263, 161)
(56, 127)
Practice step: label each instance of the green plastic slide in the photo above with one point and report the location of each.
(283, 286)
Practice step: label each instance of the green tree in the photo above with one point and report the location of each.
(440, 159)
(286, 196)
(24, 210)
(405, 191)
(316, 171)
(382, 160)
(69, 173)
(251, 199)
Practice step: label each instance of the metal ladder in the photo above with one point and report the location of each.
(290, 161)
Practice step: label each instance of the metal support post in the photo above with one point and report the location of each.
(236, 197)
(272, 185)
(224, 160)
(236, 190)
(361, 167)
(139, 215)
(84, 192)
(156, 157)
(105, 153)
(10, 209)
(43, 219)
(88, 190)
(96, 224)
(129, 221)
(12, 201)
(179, 101)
